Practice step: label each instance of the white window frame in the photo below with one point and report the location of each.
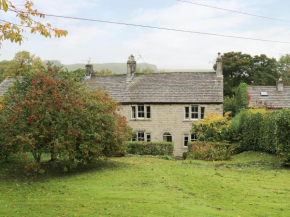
(137, 112)
(185, 135)
(190, 138)
(199, 113)
(145, 136)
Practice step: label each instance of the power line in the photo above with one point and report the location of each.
(239, 12)
(167, 29)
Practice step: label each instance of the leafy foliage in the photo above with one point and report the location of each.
(262, 130)
(243, 68)
(14, 32)
(213, 127)
(209, 150)
(283, 136)
(50, 112)
(242, 97)
(23, 63)
(146, 70)
(230, 105)
(251, 129)
(284, 68)
(150, 148)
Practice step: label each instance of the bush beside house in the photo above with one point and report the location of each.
(150, 148)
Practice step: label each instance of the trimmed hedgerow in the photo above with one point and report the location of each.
(268, 128)
(251, 134)
(209, 150)
(150, 148)
(283, 135)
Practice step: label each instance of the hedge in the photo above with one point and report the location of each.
(262, 130)
(209, 150)
(150, 148)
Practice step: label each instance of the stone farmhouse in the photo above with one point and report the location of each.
(270, 97)
(160, 106)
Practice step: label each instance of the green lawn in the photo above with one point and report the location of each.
(251, 184)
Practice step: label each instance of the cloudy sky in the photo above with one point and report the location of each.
(106, 43)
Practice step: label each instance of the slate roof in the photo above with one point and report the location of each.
(5, 84)
(275, 99)
(178, 87)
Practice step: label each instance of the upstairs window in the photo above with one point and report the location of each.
(194, 112)
(141, 112)
(202, 112)
(186, 113)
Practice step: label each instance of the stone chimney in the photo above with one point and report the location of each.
(131, 68)
(219, 66)
(280, 84)
(89, 71)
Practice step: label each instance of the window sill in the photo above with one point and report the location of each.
(135, 119)
(191, 120)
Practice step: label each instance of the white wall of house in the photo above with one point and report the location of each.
(167, 118)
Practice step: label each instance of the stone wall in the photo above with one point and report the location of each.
(167, 118)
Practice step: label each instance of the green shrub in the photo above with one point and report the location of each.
(237, 148)
(209, 150)
(251, 130)
(268, 129)
(242, 97)
(150, 148)
(283, 135)
(230, 105)
(184, 155)
(213, 127)
(237, 124)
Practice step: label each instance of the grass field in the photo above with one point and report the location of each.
(251, 184)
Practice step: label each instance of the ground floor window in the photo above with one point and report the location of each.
(141, 136)
(167, 137)
(188, 138)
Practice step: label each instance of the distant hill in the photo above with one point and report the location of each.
(118, 68)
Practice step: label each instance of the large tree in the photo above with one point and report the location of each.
(51, 112)
(23, 63)
(239, 67)
(27, 20)
(284, 68)
(3, 66)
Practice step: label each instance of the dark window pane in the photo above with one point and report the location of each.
(194, 112)
(141, 113)
(134, 138)
(133, 112)
(185, 140)
(202, 112)
(193, 137)
(186, 112)
(148, 110)
(148, 137)
(140, 136)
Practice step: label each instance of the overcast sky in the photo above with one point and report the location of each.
(106, 43)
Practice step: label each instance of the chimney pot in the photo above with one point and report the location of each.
(280, 84)
(219, 66)
(131, 68)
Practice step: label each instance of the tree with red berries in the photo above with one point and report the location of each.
(51, 112)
